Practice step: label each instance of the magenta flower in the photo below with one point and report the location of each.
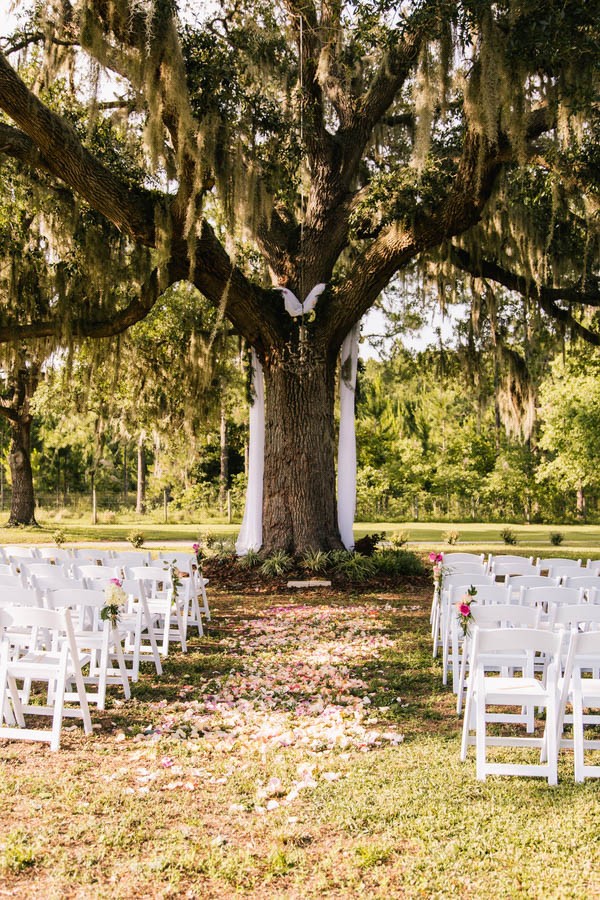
(464, 609)
(116, 581)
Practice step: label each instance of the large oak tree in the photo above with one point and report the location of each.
(299, 142)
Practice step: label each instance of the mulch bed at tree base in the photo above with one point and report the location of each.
(227, 574)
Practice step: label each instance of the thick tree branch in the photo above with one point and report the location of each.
(66, 158)
(17, 145)
(397, 244)
(134, 312)
(587, 294)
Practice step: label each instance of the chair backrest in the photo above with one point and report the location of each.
(506, 640)
(450, 558)
(98, 572)
(486, 593)
(456, 568)
(93, 555)
(183, 562)
(24, 552)
(56, 554)
(7, 569)
(87, 604)
(467, 578)
(516, 582)
(28, 570)
(11, 581)
(516, 566)
(574, 616)
(592, 567)
(550, 561)
(549, 596)
(24, 596)
(502, 615)
(581, 581)
(130, 558)
(54, 581)
(18, 562)
(152, 578)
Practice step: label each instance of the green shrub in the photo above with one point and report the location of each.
(315, 561)
(399, 539)
(136, 539)
(276, 564)
(366, 545)
(451, 537)
(250, 560)
(508, 536)
(59, 537)
(398, 562)
(355, 567)
(556, 538)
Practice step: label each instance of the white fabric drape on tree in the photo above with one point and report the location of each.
(250, 536)
(346, 484)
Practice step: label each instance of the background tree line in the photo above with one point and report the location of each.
(456, 431)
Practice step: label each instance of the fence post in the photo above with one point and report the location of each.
(166, 505)
(229, 507)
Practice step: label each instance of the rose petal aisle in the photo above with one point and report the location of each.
(295, 684)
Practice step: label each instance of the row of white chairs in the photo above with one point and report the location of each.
(546, 598)
(510, 569)
(118, 564)
(162, 601)
(520, 669)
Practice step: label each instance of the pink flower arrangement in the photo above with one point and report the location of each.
(198, 553)
(463, 608)
(438, 570)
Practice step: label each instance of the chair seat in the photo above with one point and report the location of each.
(508, 691)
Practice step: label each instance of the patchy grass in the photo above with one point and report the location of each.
(304, 748)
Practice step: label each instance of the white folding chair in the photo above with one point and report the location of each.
(100, 639)
(56, 662)
(527, 690)
(583, 693)
(461, 582)
(141, 625)
(494, 615)
(193, 582)
(547, 564)
(165, 602)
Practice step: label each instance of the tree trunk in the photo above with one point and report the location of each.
(140, 503)
(125, 475)
(299, 508)
(22, 507)
(224, 467)
(581, 510)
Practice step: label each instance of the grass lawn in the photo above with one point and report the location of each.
(304, 748)
(578, 540)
